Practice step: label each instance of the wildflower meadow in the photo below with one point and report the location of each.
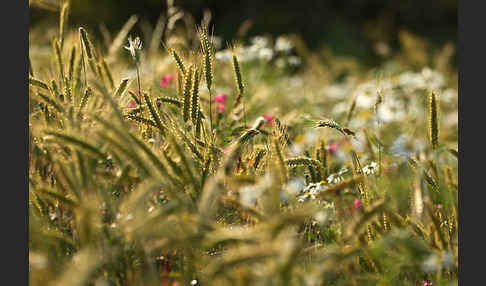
(195, 161)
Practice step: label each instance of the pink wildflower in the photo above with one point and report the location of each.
(268, 117)
(427, 282)
(220, 98)
(332, 147)
(166, 79)
(357, 203)
(132, 104)
(221, 108)
(166, 283)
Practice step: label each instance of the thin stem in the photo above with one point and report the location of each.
(139, 90)
(211, 115)
(244, 114)
(379, 142)
(138, 80)
(82, 61)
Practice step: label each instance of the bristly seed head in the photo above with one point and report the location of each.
(331, 124)
(433, 120)
(238, 77)
(187, 93)
(195, 96)
(207, 50)
(178, 60)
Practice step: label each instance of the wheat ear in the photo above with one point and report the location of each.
(187, 94)
(433, 120)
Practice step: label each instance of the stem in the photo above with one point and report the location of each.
(139, 90)
(244, 114)
(82, 60)
(211, 115)
(379, 143)
(138, 80)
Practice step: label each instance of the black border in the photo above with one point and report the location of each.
(472, 89)
(14, 118)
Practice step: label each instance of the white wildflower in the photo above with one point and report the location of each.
(294, 61)
(370, 169)
(411, 81)
(260, 41)
(134, 47)
(283, 44)
(433, 79)
(224, 55)
(337, 177)
(53, 215)
(265, 54)
(311, 191)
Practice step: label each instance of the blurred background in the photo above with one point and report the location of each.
(358, 28)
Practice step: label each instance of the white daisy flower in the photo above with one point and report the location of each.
(370, 169)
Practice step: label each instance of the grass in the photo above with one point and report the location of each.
(125, 190)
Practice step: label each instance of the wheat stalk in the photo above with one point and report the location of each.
(239, 82)
(63, 17)
(38, 83)
(195, 96)
(433, 108)
(179, 62)
(187, 93)
(57, 53)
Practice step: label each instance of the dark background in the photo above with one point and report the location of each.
(349, 27)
